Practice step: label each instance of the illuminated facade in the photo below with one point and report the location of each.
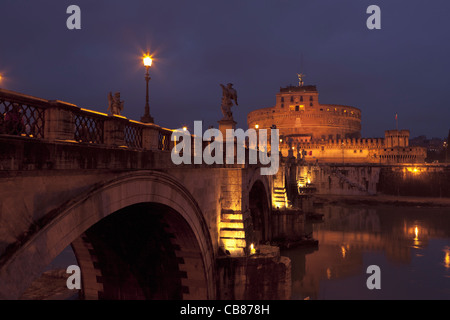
(328, 132)
(298, 112)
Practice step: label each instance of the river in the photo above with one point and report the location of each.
(410, 244)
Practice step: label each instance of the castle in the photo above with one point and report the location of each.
(329, 132)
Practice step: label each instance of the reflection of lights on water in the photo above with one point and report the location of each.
(413, 232)
(416, 233)
(343, 251)
(416, 238)
(328, 273)
(447, 257)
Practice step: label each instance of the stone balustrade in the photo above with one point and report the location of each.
(55, 120)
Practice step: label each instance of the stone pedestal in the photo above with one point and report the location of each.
(59, 121)
(150, 136)
(114, 131)
(225, 124)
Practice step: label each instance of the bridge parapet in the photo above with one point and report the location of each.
(55, 120)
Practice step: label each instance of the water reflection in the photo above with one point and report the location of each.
(411, 245)
(447, 257)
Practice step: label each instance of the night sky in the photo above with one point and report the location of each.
(257, 45)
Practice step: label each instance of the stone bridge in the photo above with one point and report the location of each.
(140, 226)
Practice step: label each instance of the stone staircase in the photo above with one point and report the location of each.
(280, 198)
(302, 181)
(232, 232)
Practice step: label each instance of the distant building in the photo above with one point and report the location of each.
(329, 132)
(437, 148)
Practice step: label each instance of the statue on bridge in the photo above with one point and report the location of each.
(228, 96)
(115, 105)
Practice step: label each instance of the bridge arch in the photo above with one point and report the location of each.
(260, 209)
(137, 196)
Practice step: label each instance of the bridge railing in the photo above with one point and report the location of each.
(54, 120)
(88, 127)
(22, 115)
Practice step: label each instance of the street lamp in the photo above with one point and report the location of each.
(446, 151)
(146, 118)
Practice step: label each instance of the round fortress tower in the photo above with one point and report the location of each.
(298, 112)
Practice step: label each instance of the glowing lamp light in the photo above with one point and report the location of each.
(414, 170)
(256, 126)
(252, 249)
(147, 60)
(184, 128)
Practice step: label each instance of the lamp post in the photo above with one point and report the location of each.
(446, 151)
(146, 118)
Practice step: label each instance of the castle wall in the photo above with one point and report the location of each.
(329, 133)
(345, 179)
(298, 111)
(352, 151)
(418, 180)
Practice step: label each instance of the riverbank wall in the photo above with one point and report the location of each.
(417, 180)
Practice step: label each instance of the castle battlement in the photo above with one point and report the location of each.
(329, 132)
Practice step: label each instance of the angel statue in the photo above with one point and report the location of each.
(228, 96)
(115, 106)
(300, 79)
